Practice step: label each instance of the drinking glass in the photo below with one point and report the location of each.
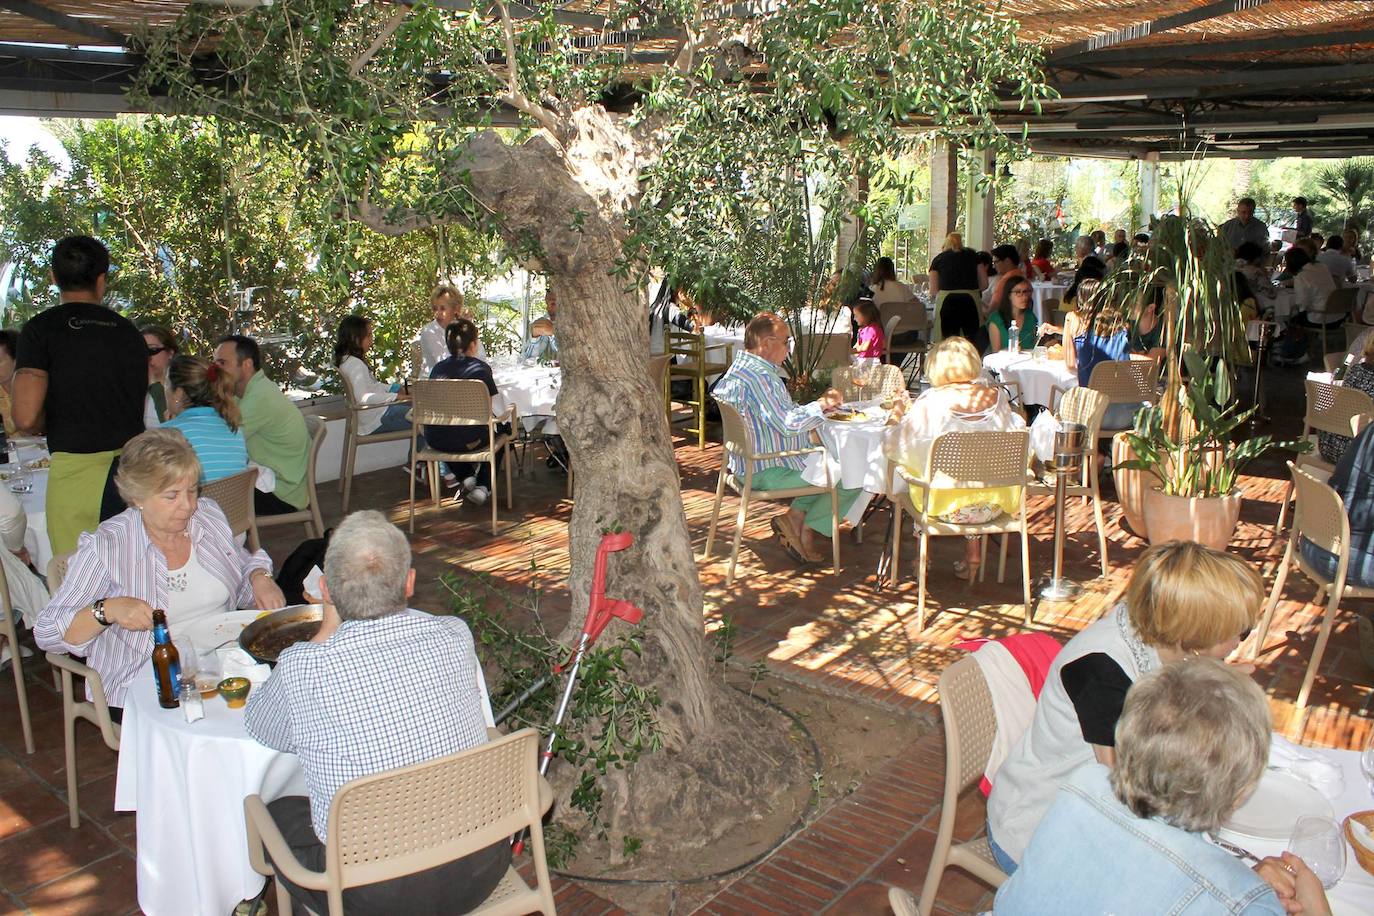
(1317, 841)
(862, 371)
(1367, 761)
(21, 481)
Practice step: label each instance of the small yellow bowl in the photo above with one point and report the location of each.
(235, 691)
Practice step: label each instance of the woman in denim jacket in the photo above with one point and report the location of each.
(1191, 744)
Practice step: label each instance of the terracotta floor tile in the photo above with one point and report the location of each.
(25, 806)
(47, 853)
(106, 887)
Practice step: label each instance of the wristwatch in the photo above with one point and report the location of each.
(98, 611)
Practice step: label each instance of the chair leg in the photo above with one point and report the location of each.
(1025, 563)
(1279, 581)
(835, 528)
(739, 533)
(1002, 559)
(982, 559)
(411, 483)
(343, 458)
(895, 571)
(283, 898)
(1324, 634)
(715, 513)
(348, 480)
(1283, 506)
(492, 465)
(701, 406)
(1101, 530)
(69, 744)
(21, 691)
(923, 561)
(510, 492)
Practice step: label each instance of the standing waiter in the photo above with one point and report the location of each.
(82, 377)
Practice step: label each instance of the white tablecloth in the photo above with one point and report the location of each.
(187, 783)
(1046, 289)
(855, 452)
(35, 504)
(532, 389)
(1354, 893)
(1036, 377)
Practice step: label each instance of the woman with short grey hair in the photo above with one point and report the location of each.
(169, 550)
(1191, 744)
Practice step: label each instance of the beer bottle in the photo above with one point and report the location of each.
(166, 662)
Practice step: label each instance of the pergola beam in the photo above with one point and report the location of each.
(1153, 27)
(1123, 56)
(62, 21)
(1194, 84)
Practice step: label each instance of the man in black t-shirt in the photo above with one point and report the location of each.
(82, 377)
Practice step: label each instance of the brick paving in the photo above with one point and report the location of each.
(837, 634)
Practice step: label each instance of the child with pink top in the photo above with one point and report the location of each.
(870, 342)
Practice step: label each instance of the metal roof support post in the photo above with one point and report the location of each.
(980, 207)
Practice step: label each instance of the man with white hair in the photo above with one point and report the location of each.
(376, 689)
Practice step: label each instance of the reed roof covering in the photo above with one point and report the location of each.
(1237, 77)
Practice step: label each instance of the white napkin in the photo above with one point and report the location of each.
(237, 663)
(1312, 768)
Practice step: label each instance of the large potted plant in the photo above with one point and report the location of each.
(1196, 496)
(1184, 443)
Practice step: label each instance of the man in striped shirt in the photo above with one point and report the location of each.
(755, 385)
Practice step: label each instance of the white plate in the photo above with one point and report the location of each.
(1278, 802)
(208, 633)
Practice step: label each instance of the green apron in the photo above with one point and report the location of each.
(76, 487)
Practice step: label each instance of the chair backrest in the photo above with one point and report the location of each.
(834, 349)
(349, 396)
(1086, 406)
(883, 381)
(979, 460)
(317, 429)
(970, 723)
(57, 571)
(1333, 361)
(406, 820)
(234, 494)
(1126, 381)
(1342, 299)
(1320, 516)
(658, 372)
(735, 436)
(1330, 408)
(450, 402)
(889, 328)
(417, 359)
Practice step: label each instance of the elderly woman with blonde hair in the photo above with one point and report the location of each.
(1183, 599)
(1192, 742)
(169, 550)
(960, 399)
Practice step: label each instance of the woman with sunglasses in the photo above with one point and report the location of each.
(162, 346)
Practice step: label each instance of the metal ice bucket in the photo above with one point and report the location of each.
(1069, 442)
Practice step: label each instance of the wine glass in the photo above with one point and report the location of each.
(1317, 841)
(862, 371)
(1367, 761)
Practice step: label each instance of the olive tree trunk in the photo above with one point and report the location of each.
(725, 758)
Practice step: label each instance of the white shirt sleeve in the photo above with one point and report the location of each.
(366, 388)
(433, 348)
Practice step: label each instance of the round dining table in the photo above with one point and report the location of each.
(1037, 378)
(854, 454)
(533, 389)
(186, 781)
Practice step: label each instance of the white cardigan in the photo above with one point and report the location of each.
(367, 390)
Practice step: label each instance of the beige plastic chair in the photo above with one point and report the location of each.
(883, 382)
(406, 820)
(348, 459)
(1343, 302)
(964, 460)
(1085, 406)
(1125, 381)
(1320, 517)
(417, 359)
(739, 441)
(9, 634)
(310, 516)
(1330, 409)
(970, 728)
(96, 710)
(457, 402)
(834, 349)
(1333, 361)
(695, 363)
(234, 494)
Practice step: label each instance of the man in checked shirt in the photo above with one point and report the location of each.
(378, 688)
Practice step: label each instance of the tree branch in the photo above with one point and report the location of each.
(387, 31)
(379, 220)
(686, 55)
(514, 96)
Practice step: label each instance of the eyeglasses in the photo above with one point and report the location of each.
(154, 351)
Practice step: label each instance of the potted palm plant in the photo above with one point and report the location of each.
(1186, 446)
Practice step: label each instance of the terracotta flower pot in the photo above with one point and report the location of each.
(1130, 485)
(1210, 521)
